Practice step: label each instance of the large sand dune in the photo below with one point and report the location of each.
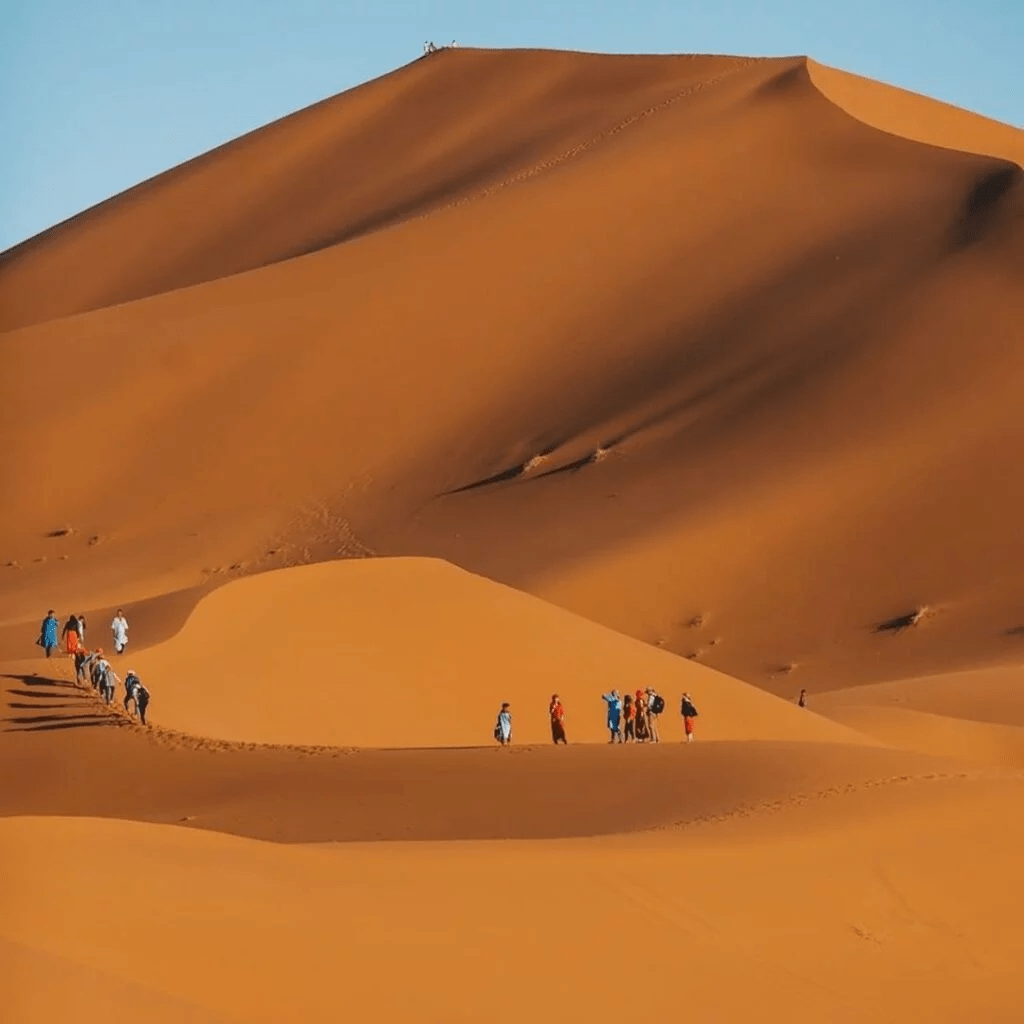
(413, 652)
(701, 356)
(718, 352)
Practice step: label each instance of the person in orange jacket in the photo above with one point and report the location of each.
(557, 714)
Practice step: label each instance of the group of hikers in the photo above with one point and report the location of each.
(630, 718)
(92, 666)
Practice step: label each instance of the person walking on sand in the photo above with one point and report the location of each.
(48, 633)
(81, 630)
(503, 726)
(689, 712)
(96, 670)
(131, 683)
(614, 702)
(108, 682)
(628, 719)
(802, 701)
(141, 701)
(69, 634)
(119, 627)
(655, 706)
(80, 657)
(557, 715)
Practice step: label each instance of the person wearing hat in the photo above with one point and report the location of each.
(557, 714)
(503, 726)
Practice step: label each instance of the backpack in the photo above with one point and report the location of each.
(657, 704)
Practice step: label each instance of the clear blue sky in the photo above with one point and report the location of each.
(97, 95)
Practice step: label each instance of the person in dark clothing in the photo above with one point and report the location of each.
(131, 683)
(557, 714)
(689, 712)
(70, 634)
(141, 701)
(629, 719)
(80, 655)
(803, 699)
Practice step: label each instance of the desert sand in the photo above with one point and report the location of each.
(513, 373)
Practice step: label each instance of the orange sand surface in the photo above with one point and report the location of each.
(506, 374)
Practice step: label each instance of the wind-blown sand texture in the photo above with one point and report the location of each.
(693, 372)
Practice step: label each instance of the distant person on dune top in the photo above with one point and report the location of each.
(614, 702)
(503, 726)
(655, 706)
(629, 720)
(640, 705)
(48, 633)
(70, 634)
(557, 715)
(689, 713)
(119, 627)
(803, 699)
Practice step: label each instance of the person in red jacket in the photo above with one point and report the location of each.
(557, 713)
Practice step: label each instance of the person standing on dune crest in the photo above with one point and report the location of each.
(614, 702)
(689, 712)
(629, 718)
(503, 726)
(119, 627)
(557, 714)
(655, 706)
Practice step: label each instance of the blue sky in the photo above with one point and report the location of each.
(97, 95)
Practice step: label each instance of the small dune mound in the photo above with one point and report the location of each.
(417, 653)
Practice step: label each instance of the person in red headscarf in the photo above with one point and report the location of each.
(557, 715)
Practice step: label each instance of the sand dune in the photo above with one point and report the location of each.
(713, 366)
(891, 930)
(413, 652)
(699, 356)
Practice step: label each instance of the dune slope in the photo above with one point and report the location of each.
(891, 932)
(414, 652)
(725, 379)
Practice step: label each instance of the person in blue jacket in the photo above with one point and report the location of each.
(48, 633)
(614, 702)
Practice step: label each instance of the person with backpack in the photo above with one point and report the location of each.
(97, 666)
(614, 702)
(689, 712)
(70, 634)
(48, 633)
(141, 701)
(557, 715)
(655, 706)
(503, 725)
(131, 683)
(119, 627)
(629, 719)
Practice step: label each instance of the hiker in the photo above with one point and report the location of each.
(689, 713)
(629, 717)
(70, 634)
(614, 702)
(802, 702)
(108, 682)
(81, 630)
(640, 704)
(48, 633)
(80, 657)
(557, 714)
(655, 706)
(131, 683)
(98, 667)
(141, 701)
(120, 630)
(503, 725)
